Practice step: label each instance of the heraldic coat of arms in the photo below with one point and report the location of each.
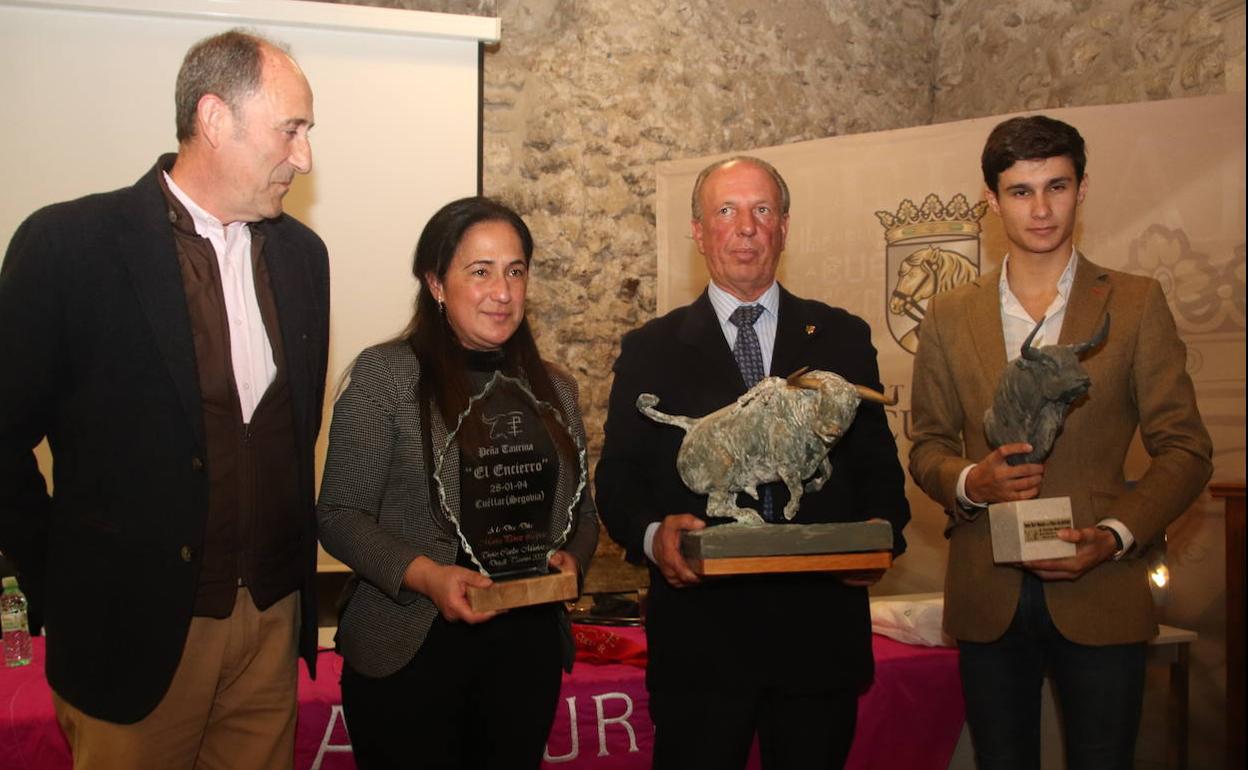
(930, 249)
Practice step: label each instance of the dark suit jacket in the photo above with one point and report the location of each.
(98, 357)
(1139, 381)
(805, 632)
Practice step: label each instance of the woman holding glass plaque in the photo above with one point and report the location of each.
(455, 451)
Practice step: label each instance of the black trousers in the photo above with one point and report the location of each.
(714, 731)
(1099, 691)
(480, 696)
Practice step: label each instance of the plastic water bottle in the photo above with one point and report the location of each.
(14, 624)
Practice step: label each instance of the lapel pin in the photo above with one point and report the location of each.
(810, 329)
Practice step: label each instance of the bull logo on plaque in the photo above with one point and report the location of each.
(505, 509)
(931, 248)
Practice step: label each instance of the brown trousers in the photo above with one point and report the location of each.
(231, 704)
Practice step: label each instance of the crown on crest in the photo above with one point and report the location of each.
(959, 217)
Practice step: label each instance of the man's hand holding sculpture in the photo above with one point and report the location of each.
(994, 480)
(1028, 409)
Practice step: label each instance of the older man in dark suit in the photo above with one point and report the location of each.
(783, 656)
(169, 340)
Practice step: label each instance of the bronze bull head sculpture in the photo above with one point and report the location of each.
(1034, 394)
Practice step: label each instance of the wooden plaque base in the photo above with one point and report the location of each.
(820, 562)
(522, 592)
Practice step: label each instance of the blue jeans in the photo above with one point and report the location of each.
(1099, 691)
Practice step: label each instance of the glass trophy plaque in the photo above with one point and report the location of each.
(508, 497)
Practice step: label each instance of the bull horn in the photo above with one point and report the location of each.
(793, 378)
(1027, 351)
(1083, 347)
(799, 379)
(872, 395)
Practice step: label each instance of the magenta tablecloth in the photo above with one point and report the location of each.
(910, 718)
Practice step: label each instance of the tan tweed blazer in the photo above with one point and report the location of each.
(1138, 381)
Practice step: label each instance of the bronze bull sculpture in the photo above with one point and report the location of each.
(1034, 394)
(779, 430)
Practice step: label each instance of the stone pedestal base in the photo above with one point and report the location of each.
(1026, 530)
(734, 549)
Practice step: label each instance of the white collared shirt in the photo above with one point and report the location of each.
(251, 355)
(1017, 323)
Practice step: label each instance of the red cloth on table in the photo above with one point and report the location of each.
(601, 645)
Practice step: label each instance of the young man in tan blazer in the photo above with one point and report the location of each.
(1083, 619)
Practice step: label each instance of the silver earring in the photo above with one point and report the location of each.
(441, 307)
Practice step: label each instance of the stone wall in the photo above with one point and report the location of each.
(582, 97)
(995, 57)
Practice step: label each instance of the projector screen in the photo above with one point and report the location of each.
(88, 89)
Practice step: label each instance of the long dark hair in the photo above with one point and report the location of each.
(443, 373)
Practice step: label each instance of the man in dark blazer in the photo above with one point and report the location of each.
(169, 340)
(1084, 619)
(783, 656)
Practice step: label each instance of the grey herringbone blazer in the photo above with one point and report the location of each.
(375, 514)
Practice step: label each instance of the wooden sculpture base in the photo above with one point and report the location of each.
(522, 592)
(824, 562)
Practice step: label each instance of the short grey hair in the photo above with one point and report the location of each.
(229, 65)
(696, 198)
